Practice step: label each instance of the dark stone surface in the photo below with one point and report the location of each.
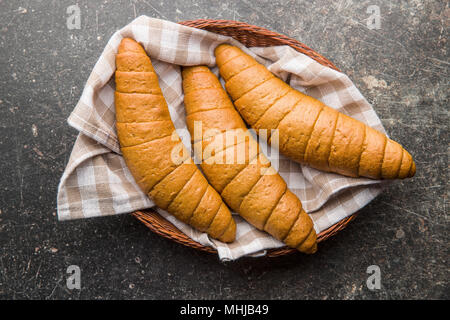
(401, 68)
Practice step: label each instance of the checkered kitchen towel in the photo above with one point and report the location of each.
(96, 181)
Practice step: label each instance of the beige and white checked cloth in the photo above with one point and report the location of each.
(96, 181)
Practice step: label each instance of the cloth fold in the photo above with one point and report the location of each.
(97, 182)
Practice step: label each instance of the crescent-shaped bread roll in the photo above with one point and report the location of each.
(154, 153)
(233, 163)
(309, 131)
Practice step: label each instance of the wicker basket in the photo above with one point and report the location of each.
(250, 36)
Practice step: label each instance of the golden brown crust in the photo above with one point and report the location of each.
(319, 144)
(131, 61)
(283, 216)
(246, 80)
(208, 99)
(168, 188)
(206, 210)
(255, 103)
(238, 188)
(224, 118)
(260, 202)
(187, 200)
(347, 142)
(234, 164)
(137, 82)
(412, 171)
(278, 111)
(373, 153)
(300, 232)
(222, 218)
(295, 129)
(405, 165)
(393, 154)
(154, 152)
(238, 62)
(134, 107)
(134, 133)
(309, 132)
(149, 162)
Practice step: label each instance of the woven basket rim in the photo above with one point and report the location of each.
(163, 227)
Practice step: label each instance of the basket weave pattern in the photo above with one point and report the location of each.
(250, 36)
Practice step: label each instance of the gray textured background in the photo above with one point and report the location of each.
(401, 68)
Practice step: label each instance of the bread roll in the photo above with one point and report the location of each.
(154, 153)
(309, 131)
(235, 166)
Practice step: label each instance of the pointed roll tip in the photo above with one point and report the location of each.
(230, 233)
(130, 45)
(221, 47)
(412, 171)
(187, 70)
(412, 168)
(312, 250)
(309, 245)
